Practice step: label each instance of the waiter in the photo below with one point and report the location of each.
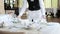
(36, 10)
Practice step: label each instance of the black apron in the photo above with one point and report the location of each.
(33, 5)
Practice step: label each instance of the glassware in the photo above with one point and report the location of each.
(1, 24)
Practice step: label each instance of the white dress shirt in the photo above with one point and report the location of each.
(24, 7)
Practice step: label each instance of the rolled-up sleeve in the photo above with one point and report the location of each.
(24, 7)
(42, 7)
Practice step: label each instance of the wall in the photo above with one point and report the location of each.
(20, 3)
(54, 3)
(2, 7)
(59, 4)
(51, 3)
(47, 3)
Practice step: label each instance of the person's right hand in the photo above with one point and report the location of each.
(18, 16)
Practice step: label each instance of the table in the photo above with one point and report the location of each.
(17, 31)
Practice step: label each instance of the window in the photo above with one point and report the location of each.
(10, 4)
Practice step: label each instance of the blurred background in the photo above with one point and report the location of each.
(12, 6)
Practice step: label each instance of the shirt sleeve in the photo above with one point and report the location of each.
(24, 7)
(42, 7)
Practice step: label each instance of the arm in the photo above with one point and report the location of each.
(24, 7)
(42, 7)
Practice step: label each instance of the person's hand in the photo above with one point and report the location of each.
(18, 16)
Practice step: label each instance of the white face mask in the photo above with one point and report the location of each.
(32, 0)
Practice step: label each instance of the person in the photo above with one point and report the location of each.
(36, 10)
(36, 13)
